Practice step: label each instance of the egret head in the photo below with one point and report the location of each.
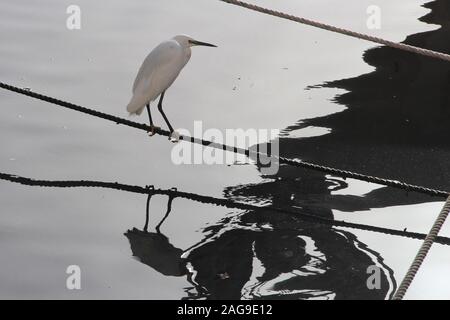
(187, 42)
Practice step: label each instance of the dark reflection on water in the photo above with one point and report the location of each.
(296, 260)
(396, 121)
(155, 250)
(396, 125)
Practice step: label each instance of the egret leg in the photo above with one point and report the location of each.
(169, 208)
(162, 112)
(149, 114)
(152, 130)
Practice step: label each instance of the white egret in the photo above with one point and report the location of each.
(157, 73)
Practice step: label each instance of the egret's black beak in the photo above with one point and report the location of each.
(199, 43)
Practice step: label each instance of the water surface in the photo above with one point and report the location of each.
(338, 101)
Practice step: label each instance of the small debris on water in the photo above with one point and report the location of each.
(223, 276)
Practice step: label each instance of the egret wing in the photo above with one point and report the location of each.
(164, 54)
(153, 77)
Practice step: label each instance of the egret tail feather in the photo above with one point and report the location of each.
(136, 105)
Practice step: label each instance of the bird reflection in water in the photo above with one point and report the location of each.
(154, 249)
(265, 255)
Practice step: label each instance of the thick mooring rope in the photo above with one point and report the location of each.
(423, 251)
(247, 152)
(392, 44)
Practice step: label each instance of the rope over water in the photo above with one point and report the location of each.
(247, 152)
(423, 251)
(392, 44)
(311, 218)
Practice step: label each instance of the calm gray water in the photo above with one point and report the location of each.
(256, 78)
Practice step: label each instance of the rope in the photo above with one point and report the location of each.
(214, 201)
(392, 44)
(247, 152)
(423, 251)
(293, 162)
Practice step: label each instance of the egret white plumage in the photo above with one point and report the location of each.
(157, 73)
